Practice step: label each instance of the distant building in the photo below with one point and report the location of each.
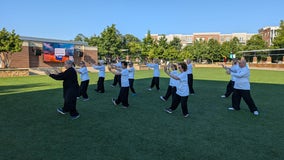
(221, 38)
(268, 34)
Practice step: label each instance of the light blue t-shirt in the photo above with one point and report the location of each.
(156, 69)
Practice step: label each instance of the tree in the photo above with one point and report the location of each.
(80, 37)
(147, 46)
(278, 41)
(256, 42)
(9, 43)
(214, 48)
(132, 44)
(110, 42)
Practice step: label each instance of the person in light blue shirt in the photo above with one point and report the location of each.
(84, 76)
(101, 68)
(124, 89)
(131, 71)
(182, 92)
(190, 76)
(172, 84)
(156, 74)
(230, 85)
(242, 88)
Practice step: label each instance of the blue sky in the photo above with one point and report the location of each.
(62, 19)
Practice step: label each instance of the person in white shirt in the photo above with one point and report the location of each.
(124, 89)
(230, 85)
(182, 92)
(172, 84)
(156, 74)
(190, 76)
(116, 78)
(131, 71)
(84, 76)
(100, 83)
(242, 88)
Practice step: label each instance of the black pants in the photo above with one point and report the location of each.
(179, 99)
(117, 79)
(190, 83)
(100, 85)
(170, 91)
(230, 88)
(83, 88)
(131, 82)
(245, 94)
(70, 100)
(155, 82)
(123, 96)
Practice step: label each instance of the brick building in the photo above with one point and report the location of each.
(33, 55)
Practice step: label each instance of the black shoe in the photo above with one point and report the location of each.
(59, 110)
(75, 117)
(168, 110)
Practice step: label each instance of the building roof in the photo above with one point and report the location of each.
(36, 39)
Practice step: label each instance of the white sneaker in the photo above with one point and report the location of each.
(256, 113)
(149, 89)
(162, 98)
(223, 96)
(231, 108)
(113, 101)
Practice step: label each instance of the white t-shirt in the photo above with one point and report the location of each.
(173, 82)
(189, 69)
(156, 69)
(124, 78)
(131, 71)
(101, 70)
(182, 85)
(242, 78)
(84, 75)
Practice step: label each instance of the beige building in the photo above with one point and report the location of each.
(221, 38)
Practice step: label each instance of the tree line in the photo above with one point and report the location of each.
(112, 44)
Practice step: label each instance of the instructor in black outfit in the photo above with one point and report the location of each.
(70, 89)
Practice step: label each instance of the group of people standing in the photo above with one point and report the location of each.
(180, 85)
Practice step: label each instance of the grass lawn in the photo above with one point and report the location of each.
(31, 129)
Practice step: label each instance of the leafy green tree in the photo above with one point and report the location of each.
(93, 40)
(256, 42)
(9, 43)
(176, 42)
(80, 37)
(133, 45)
(187, 52)
(278, 41)
(110, 42)
(200, 50)
(214, 48)
(148, 45)
(225, 49)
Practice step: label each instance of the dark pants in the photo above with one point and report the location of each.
(155, 81)
(70, 100)
(123, 96)
(230, 88)
(170, 91)
(83, 88)
(245, 94)
(131, 82)
(179, 99)
(100, 85)
(117, 79)
(190, 83)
